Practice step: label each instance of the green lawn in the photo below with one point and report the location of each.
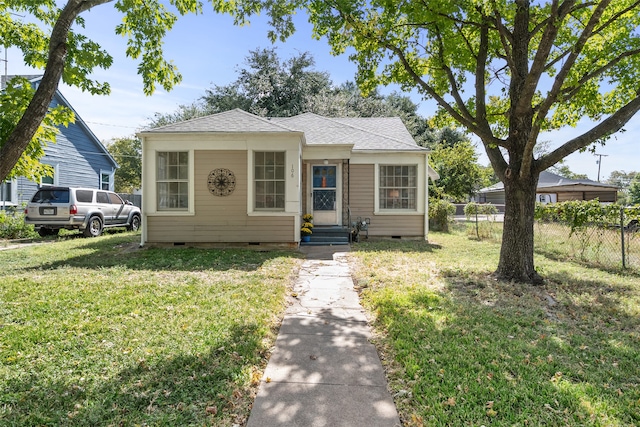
(463, 349)
(99, 332)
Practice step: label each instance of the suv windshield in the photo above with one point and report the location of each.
(51, 196)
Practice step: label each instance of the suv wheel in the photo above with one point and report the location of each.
(94, 227)
(135, 223)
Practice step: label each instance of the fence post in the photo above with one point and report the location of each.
(477, 231)
(624, 262)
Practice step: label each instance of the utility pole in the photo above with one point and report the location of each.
(599, 162)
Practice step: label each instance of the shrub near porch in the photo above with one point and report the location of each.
(463, 349)
(102, 333)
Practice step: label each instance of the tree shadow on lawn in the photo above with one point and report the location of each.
(172, 389)
(119, 251)
(499, 353)
(375, 245)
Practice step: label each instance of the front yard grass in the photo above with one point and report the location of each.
(463, 349)
(99, 332)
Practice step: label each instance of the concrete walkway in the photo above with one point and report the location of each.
(324, 372)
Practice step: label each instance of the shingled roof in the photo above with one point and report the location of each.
(365, 134)
(232, 121)
(550, 181)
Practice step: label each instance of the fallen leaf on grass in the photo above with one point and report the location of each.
(212, 410)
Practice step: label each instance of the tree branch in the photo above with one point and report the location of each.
(30, 121)
(568, 92)
(557, 15)
(610, 125)
(552, 95)
(452, 80)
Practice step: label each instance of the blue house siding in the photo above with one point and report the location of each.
(78, 158)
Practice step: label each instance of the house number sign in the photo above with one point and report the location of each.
(221, 182)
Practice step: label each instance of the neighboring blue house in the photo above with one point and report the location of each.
(78, 159)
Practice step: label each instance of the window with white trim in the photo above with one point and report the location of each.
(48, 180)
(6, 192)
(105, 180)
(398, 187)
(172, 180)
(51, 179)
(269, 180)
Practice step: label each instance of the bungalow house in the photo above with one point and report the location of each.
(554, 188)
(234, 178)
(78, 158)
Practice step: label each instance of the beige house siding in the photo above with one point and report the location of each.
(362, 205)
(220, 219)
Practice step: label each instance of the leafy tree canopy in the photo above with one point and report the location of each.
(634, 191)
(565, 171)
(506, 70)
(52, 39)
(622, 179)
(128, 153)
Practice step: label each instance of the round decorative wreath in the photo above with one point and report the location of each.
(221, 182)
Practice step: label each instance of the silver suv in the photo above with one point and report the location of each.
(87, 209)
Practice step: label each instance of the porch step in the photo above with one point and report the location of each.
(327, 236)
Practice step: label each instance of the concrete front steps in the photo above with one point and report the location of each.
(328, 236)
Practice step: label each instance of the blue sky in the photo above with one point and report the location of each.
(208, 49)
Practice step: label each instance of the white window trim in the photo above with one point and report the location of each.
(111, 174)
(152, 205)
(11, 199)
(290, 172)
(420, 178)
(56, 174)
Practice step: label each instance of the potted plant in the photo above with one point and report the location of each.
(307, 227)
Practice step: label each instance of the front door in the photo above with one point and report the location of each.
(325, 194)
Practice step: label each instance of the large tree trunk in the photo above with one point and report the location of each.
(516, 253)
(27, 126)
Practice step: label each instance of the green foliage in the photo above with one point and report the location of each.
(269, 86)
(128, 153)
(441, 213)
(13, 102)
(505, 70)
(621, 179)
(634, 191)
(473, 208)
(564, 171)
(12, 226)
(578, 214)
(460, 173)
(48, 26)
(182, 113)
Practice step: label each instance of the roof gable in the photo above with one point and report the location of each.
(60, 99)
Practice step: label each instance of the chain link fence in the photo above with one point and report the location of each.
(605, 244)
